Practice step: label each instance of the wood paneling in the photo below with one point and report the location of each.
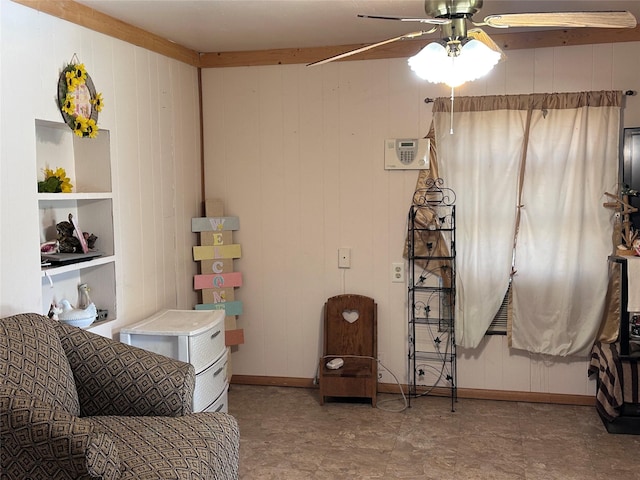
(297, 153)
(151, 109)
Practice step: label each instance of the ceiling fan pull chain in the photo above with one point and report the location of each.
(451, 119)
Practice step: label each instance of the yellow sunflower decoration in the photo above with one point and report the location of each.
(55, 182)
(78, 100)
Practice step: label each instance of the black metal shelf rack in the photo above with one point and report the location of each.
(431, 292)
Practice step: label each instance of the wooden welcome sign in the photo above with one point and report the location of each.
(217, 281)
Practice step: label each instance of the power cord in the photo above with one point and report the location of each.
(404, 398)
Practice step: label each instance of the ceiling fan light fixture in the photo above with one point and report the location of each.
(436, 64)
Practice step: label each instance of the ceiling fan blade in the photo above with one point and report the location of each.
(620, 19)
(369, 47)
(481, 36)
(432, 21)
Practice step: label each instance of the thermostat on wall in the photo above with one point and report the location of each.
(406, 153)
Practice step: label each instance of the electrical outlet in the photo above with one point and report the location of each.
(397, 272)
(381, 366)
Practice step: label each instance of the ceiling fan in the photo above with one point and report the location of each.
(451, 17)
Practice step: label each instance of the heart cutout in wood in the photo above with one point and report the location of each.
(350, 315)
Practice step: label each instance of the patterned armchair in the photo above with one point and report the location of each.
(74, 405)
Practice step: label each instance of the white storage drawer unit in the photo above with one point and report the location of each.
(220, 405)
(193, 336)
(210, 383)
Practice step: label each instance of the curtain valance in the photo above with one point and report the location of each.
(535, 101)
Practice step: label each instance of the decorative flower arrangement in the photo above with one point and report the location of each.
(78, 100)
(55, 182)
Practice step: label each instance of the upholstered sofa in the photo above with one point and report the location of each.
(74, 405)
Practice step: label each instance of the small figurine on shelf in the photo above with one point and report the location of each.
(81, 316)
(77, 317)
(54, 310)
(83, 296)
(70, 243)
(67, 242)
(90, 238)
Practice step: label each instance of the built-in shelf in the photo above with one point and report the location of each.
(87, 162)
(60, 197)
(52, 270)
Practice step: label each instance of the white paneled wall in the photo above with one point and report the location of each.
(151, 109)
(297, 154)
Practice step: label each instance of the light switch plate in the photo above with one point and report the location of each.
(344, 257)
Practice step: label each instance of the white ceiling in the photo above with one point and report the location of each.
(240, 25)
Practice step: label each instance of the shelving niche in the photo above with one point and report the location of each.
(87, 163)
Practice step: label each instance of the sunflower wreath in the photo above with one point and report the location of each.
(78, 100)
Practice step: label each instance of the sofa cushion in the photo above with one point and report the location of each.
(33, 361)
(197, 446)
(117, 379)
(41, 441)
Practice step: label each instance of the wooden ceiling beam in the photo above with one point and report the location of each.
(92, 19)
(407, 48)
(564, 37)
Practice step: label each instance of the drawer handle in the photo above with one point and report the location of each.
(219, 409)
(217, 372)
(214, 335)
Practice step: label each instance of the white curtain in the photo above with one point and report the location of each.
(530, 173)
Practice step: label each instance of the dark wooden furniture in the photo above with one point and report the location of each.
(350, 332)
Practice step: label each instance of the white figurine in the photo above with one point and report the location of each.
(83, 296)
(70, 313)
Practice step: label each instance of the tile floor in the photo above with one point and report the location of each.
(286, 434)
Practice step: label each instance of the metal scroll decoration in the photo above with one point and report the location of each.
(431, 224)
(78, 100)
(434, 193)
